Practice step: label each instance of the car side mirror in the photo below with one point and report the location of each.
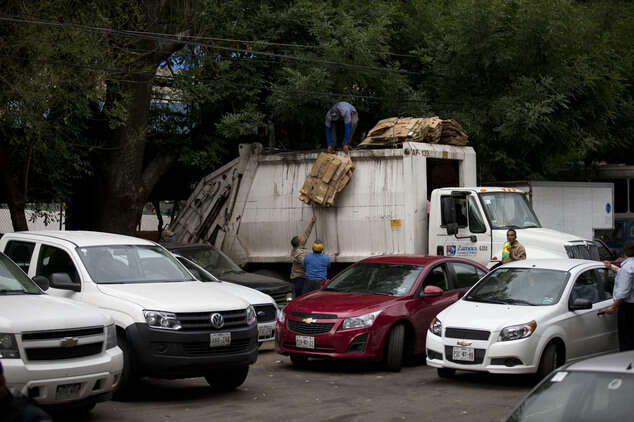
(42, 282)
(432, 291)
(580, 304)
(64, 282)
(325, 282)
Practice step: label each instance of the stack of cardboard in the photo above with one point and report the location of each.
(432, 130)
(330, 174)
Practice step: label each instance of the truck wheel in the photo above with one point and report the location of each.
(299, 360)
(395, 346)
(446, 372)
(228, 379)
(126, 381)
(548, 362)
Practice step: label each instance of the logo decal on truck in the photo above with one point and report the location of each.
(450, 250)
(459, 250)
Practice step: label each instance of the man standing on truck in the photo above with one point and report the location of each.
(297, 257)
(342, 111)
(316, 264)
(513, 250)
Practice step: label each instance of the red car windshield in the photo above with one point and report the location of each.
(376, 278)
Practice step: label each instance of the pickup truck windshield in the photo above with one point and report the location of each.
(13, 281)
(520, 286)
(117, 264)
(507, 210)
(376, 278)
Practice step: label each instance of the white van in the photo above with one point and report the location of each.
(168, 324)
(53, 350)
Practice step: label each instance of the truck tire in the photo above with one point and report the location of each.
(394, 348)
(228, 379)
(548, 362)
(125, 387)
(446, 372)
(299, 360)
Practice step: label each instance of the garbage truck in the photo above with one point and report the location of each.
(417, 198)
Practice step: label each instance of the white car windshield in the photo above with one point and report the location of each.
(376, 278)
(579, 397)
(508, 210)
(116, 264)
(520, 286)
(13, 281)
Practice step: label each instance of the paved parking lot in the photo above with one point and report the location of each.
(324, 390)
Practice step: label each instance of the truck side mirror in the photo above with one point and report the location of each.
(64, 282)
(42, 282)
(452, 228)
(448, 209)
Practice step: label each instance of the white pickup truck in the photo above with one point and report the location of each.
(168, 324)
(53, 350)
(415, 199)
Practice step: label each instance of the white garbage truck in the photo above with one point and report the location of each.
(417, 198)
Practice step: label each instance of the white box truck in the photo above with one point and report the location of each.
(415, 199)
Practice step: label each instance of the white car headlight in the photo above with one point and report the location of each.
(251, 315)
(436, 327)
(360, 321)
(8, 347)
(111, 336)
(163, 320)
(281, 316)
(516, 332)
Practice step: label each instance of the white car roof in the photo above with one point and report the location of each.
(87, 238)
(552, 264)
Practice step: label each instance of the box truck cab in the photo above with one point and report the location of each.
(393, 204)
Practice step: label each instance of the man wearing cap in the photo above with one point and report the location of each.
(316, 265)
(297, 257)
(18, 409)
(342, 111)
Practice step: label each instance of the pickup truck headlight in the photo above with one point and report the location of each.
(436, 327)
(163, 320)
(516, 332)
(360, 321)
(251, 315)
(8, 347)
(281, 316)
(111, 337)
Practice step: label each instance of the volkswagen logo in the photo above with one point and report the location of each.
(217, 321)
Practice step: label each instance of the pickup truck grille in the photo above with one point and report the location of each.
(313, 328)
(201, 321)
(265, 313)
(63, 344)
(582, 250)
(279, 295)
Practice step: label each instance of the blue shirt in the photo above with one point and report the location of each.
(623, 286)
(316, 265)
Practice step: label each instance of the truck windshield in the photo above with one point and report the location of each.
(13, 281)
(579, 396)
(376, 278)
(117, 264)
(210, 259)
(507, 210)
(520, 286)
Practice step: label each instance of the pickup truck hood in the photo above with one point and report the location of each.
(540, 243)
(21, 313)
(342, 304)
(489, 316)
(255, 281)
(186, 296)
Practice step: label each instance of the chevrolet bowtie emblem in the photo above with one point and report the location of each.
(308, 320)
(69, 342)
(464, 343)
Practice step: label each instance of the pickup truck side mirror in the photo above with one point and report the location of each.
(64, 282)
(432, 291)
(42, 282)
(580, 304)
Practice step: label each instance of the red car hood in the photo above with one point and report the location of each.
(342, 304)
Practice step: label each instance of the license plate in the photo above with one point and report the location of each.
(305, 342)
(463, 353)
(219, 339)
(265, 332)
(68, 391)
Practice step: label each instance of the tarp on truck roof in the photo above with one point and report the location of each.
(329, 175)
(432, 130)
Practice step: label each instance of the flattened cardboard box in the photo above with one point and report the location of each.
(329, 176)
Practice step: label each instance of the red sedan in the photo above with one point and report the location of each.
(377, 309)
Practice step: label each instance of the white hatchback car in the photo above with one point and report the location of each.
(526, 317)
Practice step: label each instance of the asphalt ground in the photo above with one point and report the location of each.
(323, 391)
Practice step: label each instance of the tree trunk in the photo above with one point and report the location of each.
(16, 198)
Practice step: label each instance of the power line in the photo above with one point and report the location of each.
(177, 39)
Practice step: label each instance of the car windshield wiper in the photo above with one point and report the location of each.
(518, 302)
(11, 291)
(531, 226)
(487, 300)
